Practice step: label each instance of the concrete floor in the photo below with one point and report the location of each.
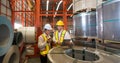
(29, 60)
(33, 60)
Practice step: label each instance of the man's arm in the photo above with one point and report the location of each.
(41, 43)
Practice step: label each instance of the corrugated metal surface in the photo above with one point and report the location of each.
(85, 24)
(99, 22)
(110, 21)
(111, 17)
(5, 9)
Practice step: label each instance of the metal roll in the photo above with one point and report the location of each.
(28, 34)
(99, 22)
(6, 35)
(85, 24)
(109, 20)
(12, 56)
(18, 37)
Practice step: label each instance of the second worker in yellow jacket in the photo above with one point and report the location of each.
(60, 35)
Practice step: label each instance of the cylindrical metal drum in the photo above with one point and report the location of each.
(85, 24)
(6, 35)
(29, 34)
(111, 20)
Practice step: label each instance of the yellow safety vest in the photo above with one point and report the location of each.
(61, 36)
(47, 47)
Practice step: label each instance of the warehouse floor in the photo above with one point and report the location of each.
(29, 60)
(34, 60)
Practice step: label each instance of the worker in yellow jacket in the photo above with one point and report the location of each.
(44, 43)
(60, 35)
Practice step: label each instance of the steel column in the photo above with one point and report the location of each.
(13, 13)
(65, 14)
(22, 13)
(37, 12)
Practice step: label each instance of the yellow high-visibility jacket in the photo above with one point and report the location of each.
(45, 47)
(61, 38)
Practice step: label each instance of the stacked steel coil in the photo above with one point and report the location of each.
(8, 53)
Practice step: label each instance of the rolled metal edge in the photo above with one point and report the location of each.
(28, 34)
(9, 39)
(18, 38)
(12, 55)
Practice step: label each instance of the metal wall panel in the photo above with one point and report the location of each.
(111, 20)
(108, 20)
(99, 22)
(3, 2)
(85, 24)
(3, 9)
(9, 12)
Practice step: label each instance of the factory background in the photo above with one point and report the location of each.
(92, 24)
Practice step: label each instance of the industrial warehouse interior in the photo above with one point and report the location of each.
(59, 31)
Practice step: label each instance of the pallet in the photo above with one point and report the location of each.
(81, 38)
(85, 10)
(110, 41)
(91, 39)
(88, 39)
(75, 13)
(99, 40)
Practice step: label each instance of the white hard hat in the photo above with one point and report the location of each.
(48, 27)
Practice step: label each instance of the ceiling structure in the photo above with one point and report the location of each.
(56, 6)
(31, 12)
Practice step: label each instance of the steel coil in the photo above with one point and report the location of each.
(18, 38)
(6, 35)
(28, 34)
(85, 24)
(108, 20)
(12, 56)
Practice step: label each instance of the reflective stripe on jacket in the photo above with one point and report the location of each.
(61, 36)
(47, 47)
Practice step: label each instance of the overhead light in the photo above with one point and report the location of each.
(58, 7)
(70, 6)
(17, 25)
(47, 5)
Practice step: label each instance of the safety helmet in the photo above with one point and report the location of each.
(60, 23)
(48, 27)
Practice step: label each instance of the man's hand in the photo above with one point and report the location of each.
(49, 40)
